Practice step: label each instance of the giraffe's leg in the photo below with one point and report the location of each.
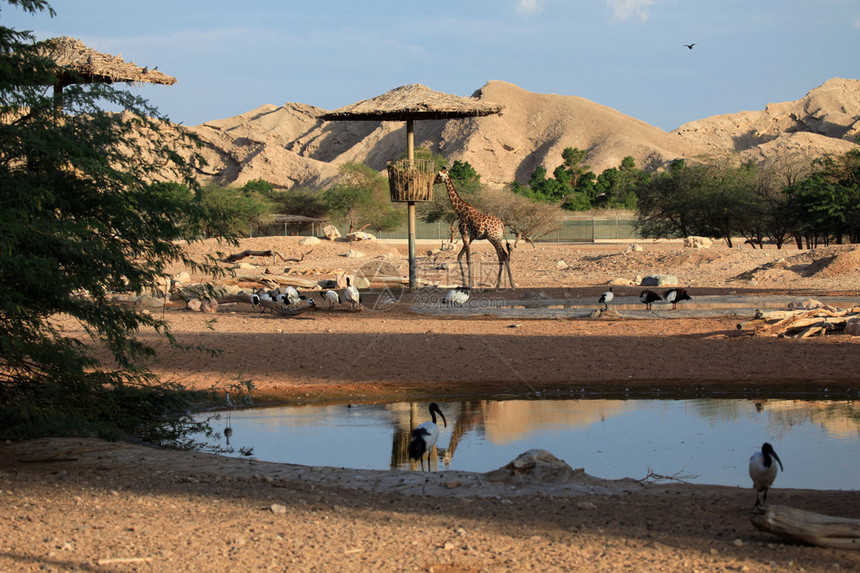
(504, 262)
(465, 251)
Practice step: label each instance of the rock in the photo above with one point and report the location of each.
(852, 327)
(534, 466)
(182, 277)
(360, 282)
(619, 281)
(147, 301)
(209, 306)
(353, 254)
(697, 242)
(585, 505)
(331, 232)
(659, 280)
(561, 265)
(455, 483)
(311, 241)
(246, 266)
(194, 304)
(277, 508)
(635, 248)
(360, 236)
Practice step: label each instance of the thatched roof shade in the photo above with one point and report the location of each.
(90, 66)
(413, 102)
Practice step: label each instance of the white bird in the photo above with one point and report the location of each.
(763, 471)
(292, 296)
(606, 298)
(458, 296)
(424, 437)
(267, 297)
(255, 299)
(331, 297)
(350, 295)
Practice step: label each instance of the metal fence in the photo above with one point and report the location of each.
(582, 228)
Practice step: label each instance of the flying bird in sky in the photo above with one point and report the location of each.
(689, 46)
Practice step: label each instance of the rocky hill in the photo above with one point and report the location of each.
(290, 146)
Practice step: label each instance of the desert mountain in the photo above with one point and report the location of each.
(826, 120)
(289, 146)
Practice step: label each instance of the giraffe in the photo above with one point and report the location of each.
(474, 226)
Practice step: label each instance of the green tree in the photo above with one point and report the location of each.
(361, 199)
(79, 216)
(244, 210)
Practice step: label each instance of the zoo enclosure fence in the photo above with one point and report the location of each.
(581, 228)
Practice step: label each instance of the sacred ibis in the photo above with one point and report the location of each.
(676, 295)
(255, 299)
(292, 296)
(763, 471)
(458, 296)
(350, 295)
(424, 437)
(606, 298)
(331, 297)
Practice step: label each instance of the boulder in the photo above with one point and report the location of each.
(697, 242)
(353, 254)
(209, 306)
(534, 466)
(561, 265)
(659, 280)
(194, 304)
(313, 240)
(360, 236)
(331, 232)
(852, 327)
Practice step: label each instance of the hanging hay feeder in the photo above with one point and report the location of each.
(411, 182)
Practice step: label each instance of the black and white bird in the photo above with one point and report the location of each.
(331, 297)
(763, 471)
(458, 296)
(292, 297)
(606, 298)
(350, 295)
(676, 295)
(255, 299)
(424, 437)
(647, 297)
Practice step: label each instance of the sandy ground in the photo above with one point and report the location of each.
(88, 505)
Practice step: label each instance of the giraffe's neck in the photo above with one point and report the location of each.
(460, 206)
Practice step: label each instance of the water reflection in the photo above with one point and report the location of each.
(710, 439)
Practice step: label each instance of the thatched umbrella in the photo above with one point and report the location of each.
(408, 103)
(76, 63)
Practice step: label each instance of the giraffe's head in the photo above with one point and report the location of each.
(442, 176)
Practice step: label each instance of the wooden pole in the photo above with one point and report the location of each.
(410, 154)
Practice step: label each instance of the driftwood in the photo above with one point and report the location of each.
(800, 323)
(280, 280)
(249, 253)
(808, 527)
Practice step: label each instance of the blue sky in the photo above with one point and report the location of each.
(231, 57)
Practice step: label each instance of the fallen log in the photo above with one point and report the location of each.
(282, 280)
(807, 527)
(784, 324)
(269, 253)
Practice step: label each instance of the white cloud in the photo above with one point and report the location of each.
(623, 10)
(529, 7)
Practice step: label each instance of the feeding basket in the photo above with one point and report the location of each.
(411, 182)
